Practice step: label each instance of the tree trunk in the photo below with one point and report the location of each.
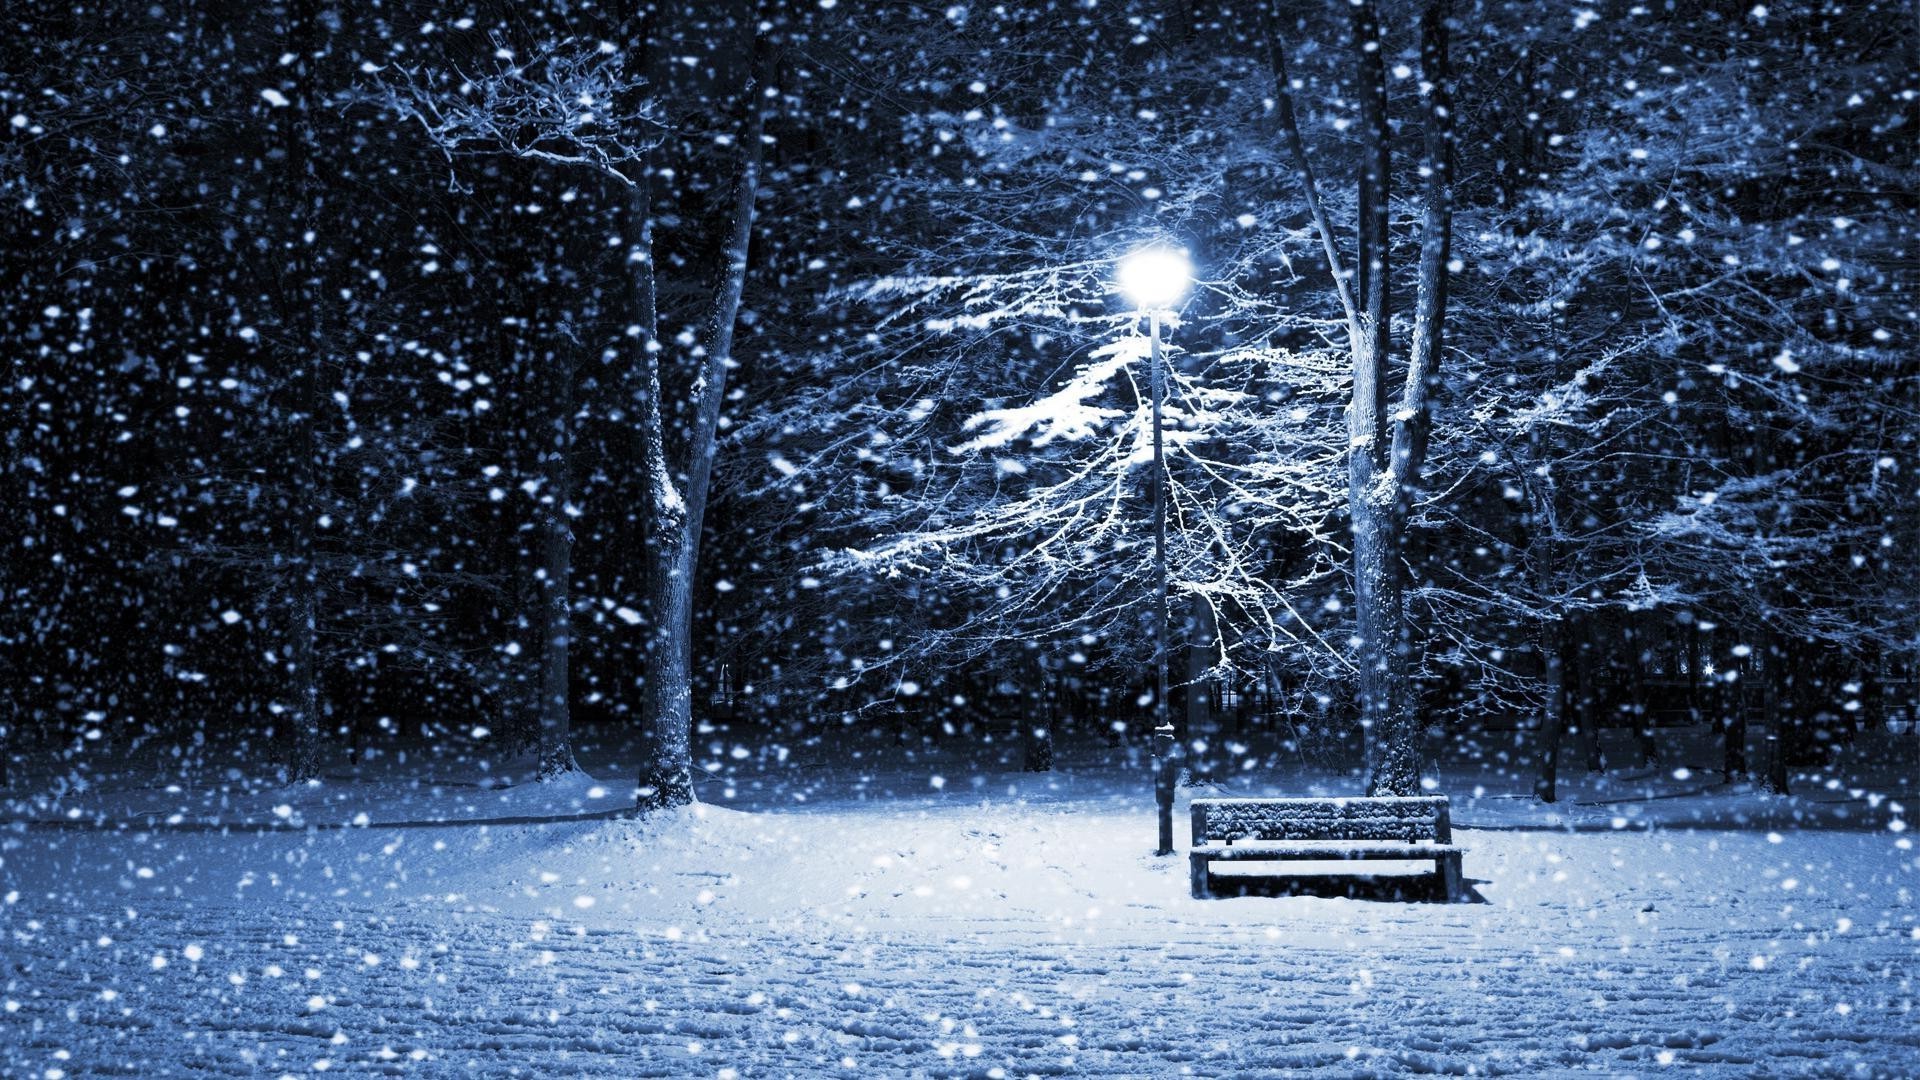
(1397, 767)
(666, 710)
(1392, 754)
(303, 718)
(1729, 702)
(1036, 725)
(1553, 721)
(1378, 476)
(666, 766)
(1289, 129)
(1696, 708)
(666, 714)
(674, 520)
(1774, 712)
(1590, 724)
(1642, 665)
(1643, 721)
(556, 580)
(300, 297)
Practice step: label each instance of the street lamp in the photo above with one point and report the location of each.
(1155, 278)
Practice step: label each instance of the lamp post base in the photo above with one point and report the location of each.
(1166, 774)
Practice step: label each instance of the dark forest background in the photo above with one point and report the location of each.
(323, 373)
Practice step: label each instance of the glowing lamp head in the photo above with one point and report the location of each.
(1155, 277)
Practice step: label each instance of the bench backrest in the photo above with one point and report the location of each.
(1422, 817)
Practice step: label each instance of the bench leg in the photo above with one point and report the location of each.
(1449, 866)
(1197, 871)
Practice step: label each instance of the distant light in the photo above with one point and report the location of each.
(1155, 277)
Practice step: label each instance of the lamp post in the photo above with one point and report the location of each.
(1155, 278)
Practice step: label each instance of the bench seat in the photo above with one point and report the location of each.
(1404, 829)
(1332, 850)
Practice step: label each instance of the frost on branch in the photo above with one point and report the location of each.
(1063, 414)
(572, 102)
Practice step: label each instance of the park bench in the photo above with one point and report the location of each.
(1406, 829)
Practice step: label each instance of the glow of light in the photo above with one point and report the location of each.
(1155, 277)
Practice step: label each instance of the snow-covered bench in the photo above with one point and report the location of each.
(1407, 829)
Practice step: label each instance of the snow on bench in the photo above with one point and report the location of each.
(1416, 828)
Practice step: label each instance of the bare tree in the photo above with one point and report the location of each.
(1384, 467)
(573, 102)
(678, 472)
(581, 103)
(570, 101)
(303, 341)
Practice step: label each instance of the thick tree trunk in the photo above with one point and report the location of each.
(1378, 475)
(666, 711)
(666, 766)
(666, 707)
(1392, 751)
(1397, 767)
(674, 519)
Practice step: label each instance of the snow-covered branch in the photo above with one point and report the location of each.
(571, 102)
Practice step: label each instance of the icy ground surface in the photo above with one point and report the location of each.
(1014, 927)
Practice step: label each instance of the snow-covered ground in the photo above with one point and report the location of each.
(837, 915)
